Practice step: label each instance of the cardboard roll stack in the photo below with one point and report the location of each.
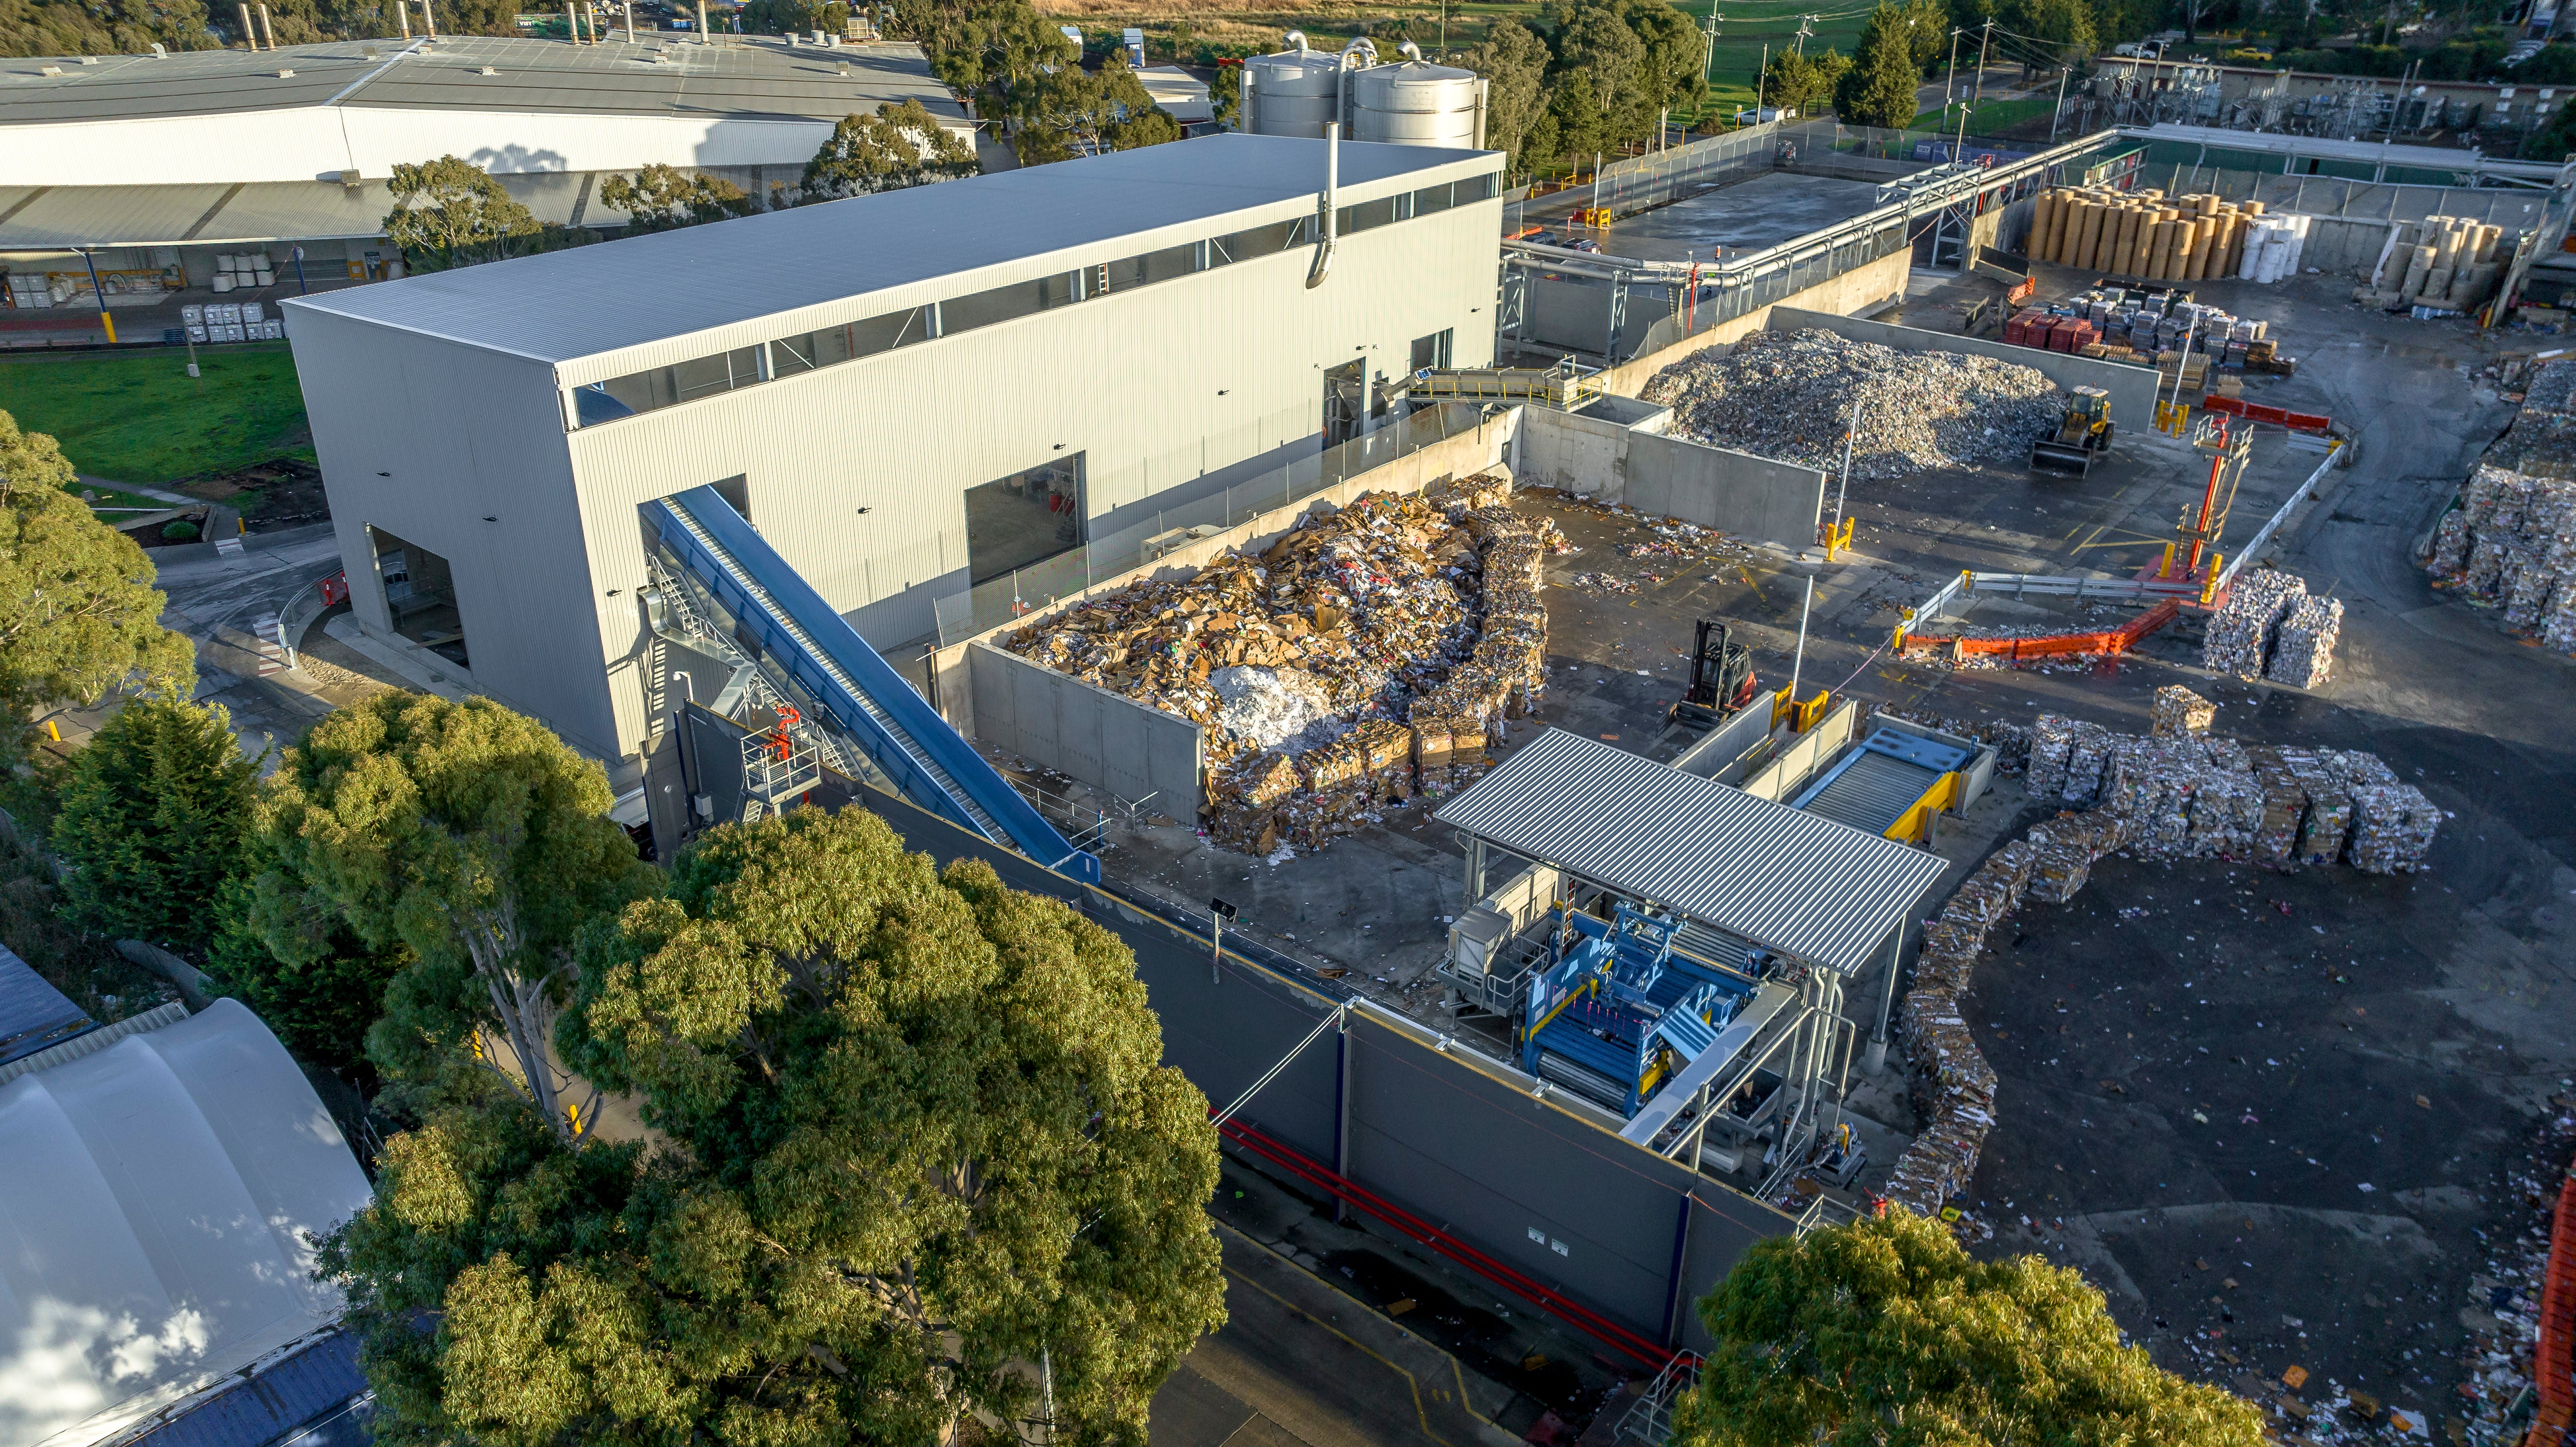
(2443, 263)
(2141, 233)
(2511, 545)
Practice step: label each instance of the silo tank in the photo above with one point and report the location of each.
(1415, 104)
(1292, 92)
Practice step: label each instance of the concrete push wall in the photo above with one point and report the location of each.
(1735, 492)
(1086, 732)
(2132, 389)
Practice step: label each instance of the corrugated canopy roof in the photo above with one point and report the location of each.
(1806, 886)
(658, 75)
(47, 218)
(599, 299)
(158, 1202)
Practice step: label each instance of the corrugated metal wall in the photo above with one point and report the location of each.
(1134, 751)
(460, 451)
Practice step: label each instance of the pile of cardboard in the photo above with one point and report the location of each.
(1424, 724)
(2303, 647)
(2511, 544)
(2179, 713)
(2241, 634)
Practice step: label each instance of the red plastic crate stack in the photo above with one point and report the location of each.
(2553, 1366)
(2071, 335)
(2018, 327)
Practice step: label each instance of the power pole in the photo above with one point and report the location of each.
(1759, 77)
(2062, 73)
(1979, 90)
(1950, 82)
(1803, 33)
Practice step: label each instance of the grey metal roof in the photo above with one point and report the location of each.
(2367, 153)
(33, 1014)
(1791, 881)
(663, 75)
(596, 299)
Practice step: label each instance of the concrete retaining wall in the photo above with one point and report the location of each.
(1735, 492)
(1086, 732)
(1586, 451)
(1857, 292)
(2132, 389)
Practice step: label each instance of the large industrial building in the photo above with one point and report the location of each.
(906, 394)
(170, 170)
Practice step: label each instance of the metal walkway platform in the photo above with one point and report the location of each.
(823, 658)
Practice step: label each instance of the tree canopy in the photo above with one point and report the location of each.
(662, 198)
(79, 617)
(68, 27)
(450, 213)
(1598, 79)
(1879, 87)
(1803, 83)
(916, 1155)
(468, 838)
(1884, 1333)
(886, 150)
(151, 822)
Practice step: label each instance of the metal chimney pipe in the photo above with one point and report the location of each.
(250, 35)
(1332, 198)
(267, 28)
(429, 19)
(402, 12)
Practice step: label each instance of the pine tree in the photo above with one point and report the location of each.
(152, 822)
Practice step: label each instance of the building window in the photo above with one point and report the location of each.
(809, 351)
(1431, 353)
(682, 382)
(1024, 518)
(789, 356)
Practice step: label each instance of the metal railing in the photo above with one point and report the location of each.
(1649, 1422)
(1083, 567)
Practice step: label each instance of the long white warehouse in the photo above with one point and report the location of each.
(906, 394)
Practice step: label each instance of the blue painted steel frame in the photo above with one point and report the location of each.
(1030, 833)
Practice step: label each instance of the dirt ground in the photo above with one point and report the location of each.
(273, 496)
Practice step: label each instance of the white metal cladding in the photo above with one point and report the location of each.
(709, 288)
(1158, 386)
(1806, 886)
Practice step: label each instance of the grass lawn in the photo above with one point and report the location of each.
(139, 417)
(1993, 116)
(1748, 28)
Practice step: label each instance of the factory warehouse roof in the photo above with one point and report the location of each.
(571, 304)
(33, 1014)
(157, 1216)
(656, 76)
(1791, 881)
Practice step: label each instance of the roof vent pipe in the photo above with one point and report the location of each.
(1331, 204)
(1297, 40)
(1341, 74)
(1410, 51)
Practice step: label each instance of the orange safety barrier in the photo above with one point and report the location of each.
(2553, 1360)
(2056, 645)
(2257, 412)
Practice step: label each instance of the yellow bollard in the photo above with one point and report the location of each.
(55, 729)
(2165, 568)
